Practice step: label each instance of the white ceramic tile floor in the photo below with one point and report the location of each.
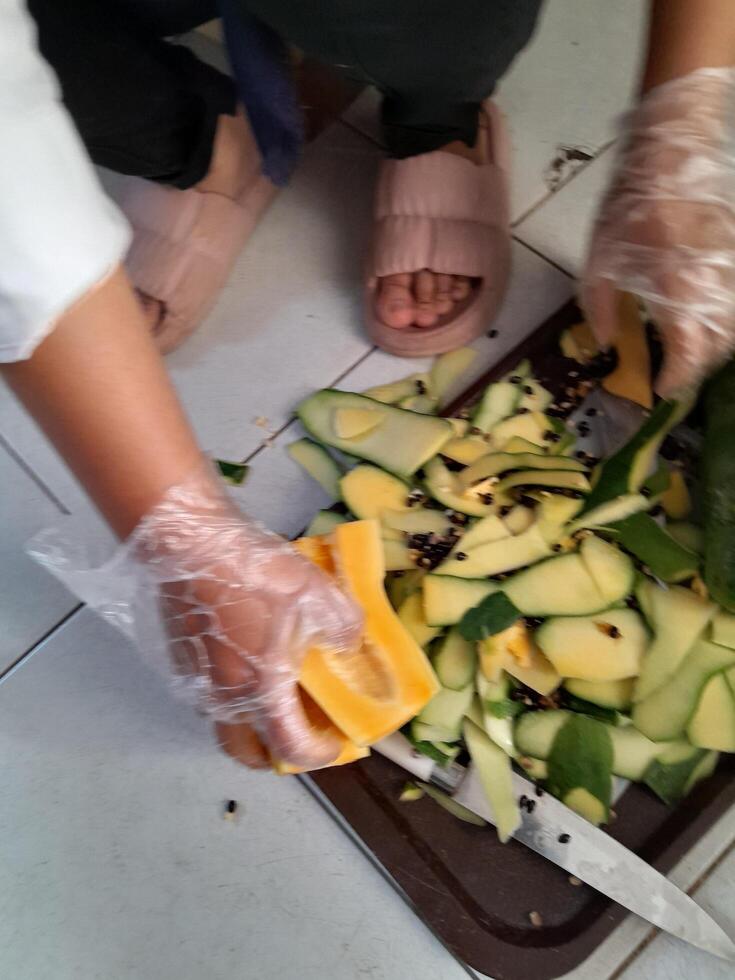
(123, 870)
(117, 862)
(30, 601)
(560, 230)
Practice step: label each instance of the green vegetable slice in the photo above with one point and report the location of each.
(493, 615)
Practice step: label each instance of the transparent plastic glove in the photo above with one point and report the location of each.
(666, 227)
(225, 608)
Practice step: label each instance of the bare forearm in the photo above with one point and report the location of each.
(688, 34)
(98, 388)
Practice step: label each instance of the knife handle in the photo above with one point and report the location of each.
(398, 749)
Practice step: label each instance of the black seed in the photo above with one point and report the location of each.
(474, 431)
(522, 410)
(581, 454)
(421, 387)
(564, 838)
(539, 792)
(528, 389)
(591, 412)
(492, 334)
(526, 500)
(614, 633)
(515, 379)
(461, 556)
(656, 511)
(582, 428)
(530, 805)
(556, 547)
(532, 622)
(505, 510)
(522, 802)
(631, 602)
(550, 436)
(645, 492)
(486, 498)
(231, 806)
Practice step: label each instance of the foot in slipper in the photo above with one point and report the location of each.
(441, 254)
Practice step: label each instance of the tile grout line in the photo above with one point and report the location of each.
(7, 671)
(654, 932)
(17, 458)
(267, 444)
(544, 258)
(561, 185)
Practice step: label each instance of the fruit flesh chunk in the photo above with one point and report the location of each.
(349, 423)
(370, 692)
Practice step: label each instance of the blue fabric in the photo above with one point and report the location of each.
(259, 63)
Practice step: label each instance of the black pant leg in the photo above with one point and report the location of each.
(142, 106)
(434, 60)
(164, 18)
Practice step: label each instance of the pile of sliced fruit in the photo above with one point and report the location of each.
(558, 596)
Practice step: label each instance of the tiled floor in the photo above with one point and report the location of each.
(116, 862)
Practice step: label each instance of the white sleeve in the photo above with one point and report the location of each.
(59, 234)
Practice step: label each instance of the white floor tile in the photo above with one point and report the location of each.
(117, 862)
(562, 94)
(566, 89)
(560, 227)
(31, 602)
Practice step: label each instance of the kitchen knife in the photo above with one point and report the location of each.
(569, 841)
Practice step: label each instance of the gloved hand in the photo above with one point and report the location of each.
(666, 226)
(239, 608)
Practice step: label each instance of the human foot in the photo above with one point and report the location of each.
(424, 298)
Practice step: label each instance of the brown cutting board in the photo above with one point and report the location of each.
(475, 893)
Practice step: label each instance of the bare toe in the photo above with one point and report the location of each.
(394, 303)
(443, 300)
(461, 288)
(424, 287)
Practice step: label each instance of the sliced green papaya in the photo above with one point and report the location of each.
(534, 427)
(465, 449)
(559, 586)
(713, 723)
(561, 479)
(318, 464)
(496, 557)
(499, 402)
(447, 370)
(611, 512)
(625, 471)
(665, 713)
(396, 391)
(444, 486)
(494, 770)
(401, 444)
(617, 695)
(324, 522)
(651, 544)
(455, 661)
(446, 711)
(723, 629)
(613, 572)
(678, 618)
(580, 767)
(368, 491)
(495, 463)
(672, 774)
(606, 646)
(490, 528)
(447, 599)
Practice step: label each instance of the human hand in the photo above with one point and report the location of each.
(666, 227)
(240, 608)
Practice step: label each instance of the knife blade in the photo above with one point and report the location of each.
(589, 853)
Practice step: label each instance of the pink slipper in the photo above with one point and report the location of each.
(185, 243)
(442, 212)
